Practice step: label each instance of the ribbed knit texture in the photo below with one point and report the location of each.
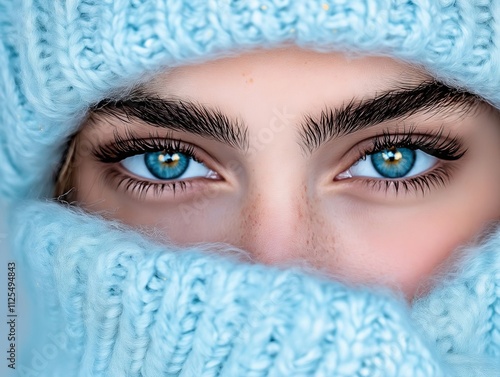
(59, 57)
(116, 304)
(129, 307)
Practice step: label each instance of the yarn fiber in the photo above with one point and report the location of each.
(137, 309)
(117, 304)
(128, 307)
(58, 58)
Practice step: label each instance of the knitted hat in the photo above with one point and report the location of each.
(111, 303)
(59, 57)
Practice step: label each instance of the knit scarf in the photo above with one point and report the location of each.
(108, 301)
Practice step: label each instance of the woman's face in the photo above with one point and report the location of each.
(365, 168)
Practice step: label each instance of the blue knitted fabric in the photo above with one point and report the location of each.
(113, 303)
(123, 306)
(58, 57)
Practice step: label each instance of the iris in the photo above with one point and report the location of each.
(165, 165)
(394, 162)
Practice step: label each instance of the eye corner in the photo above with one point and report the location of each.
(346, 174)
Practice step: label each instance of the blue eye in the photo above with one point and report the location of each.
(165, 165)
(393, 163)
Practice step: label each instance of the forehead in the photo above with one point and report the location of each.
(255, 89)
(288, 76)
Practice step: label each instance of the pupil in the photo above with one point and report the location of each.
(164, 165)
(169, 159)
(394, 162)
(392, 155)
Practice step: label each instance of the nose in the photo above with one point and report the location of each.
(275, 226)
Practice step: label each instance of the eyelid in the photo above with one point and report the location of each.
(436, 143)
(447, 149)
(132, 145)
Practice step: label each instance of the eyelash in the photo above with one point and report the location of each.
(443, 148)
(434, 144)
(131, 145)
(449, 149)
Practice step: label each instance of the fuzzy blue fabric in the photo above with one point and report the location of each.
(108, 302)
(59, 57)
(112, 303)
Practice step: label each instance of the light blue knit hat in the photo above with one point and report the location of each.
(59, 57)
(126, 306)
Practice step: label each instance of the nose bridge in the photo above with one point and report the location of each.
(275, 225)
(273, 219)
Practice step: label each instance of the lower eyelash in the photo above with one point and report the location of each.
(141, 187)
(435, 178)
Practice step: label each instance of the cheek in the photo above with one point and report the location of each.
(402, 247)
(202, 219)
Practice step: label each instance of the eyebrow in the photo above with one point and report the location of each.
(333, 122)
(428, 97)
(178, 115)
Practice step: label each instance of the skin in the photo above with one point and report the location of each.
(284, 205)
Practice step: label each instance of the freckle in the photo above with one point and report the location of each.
(300, 214)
